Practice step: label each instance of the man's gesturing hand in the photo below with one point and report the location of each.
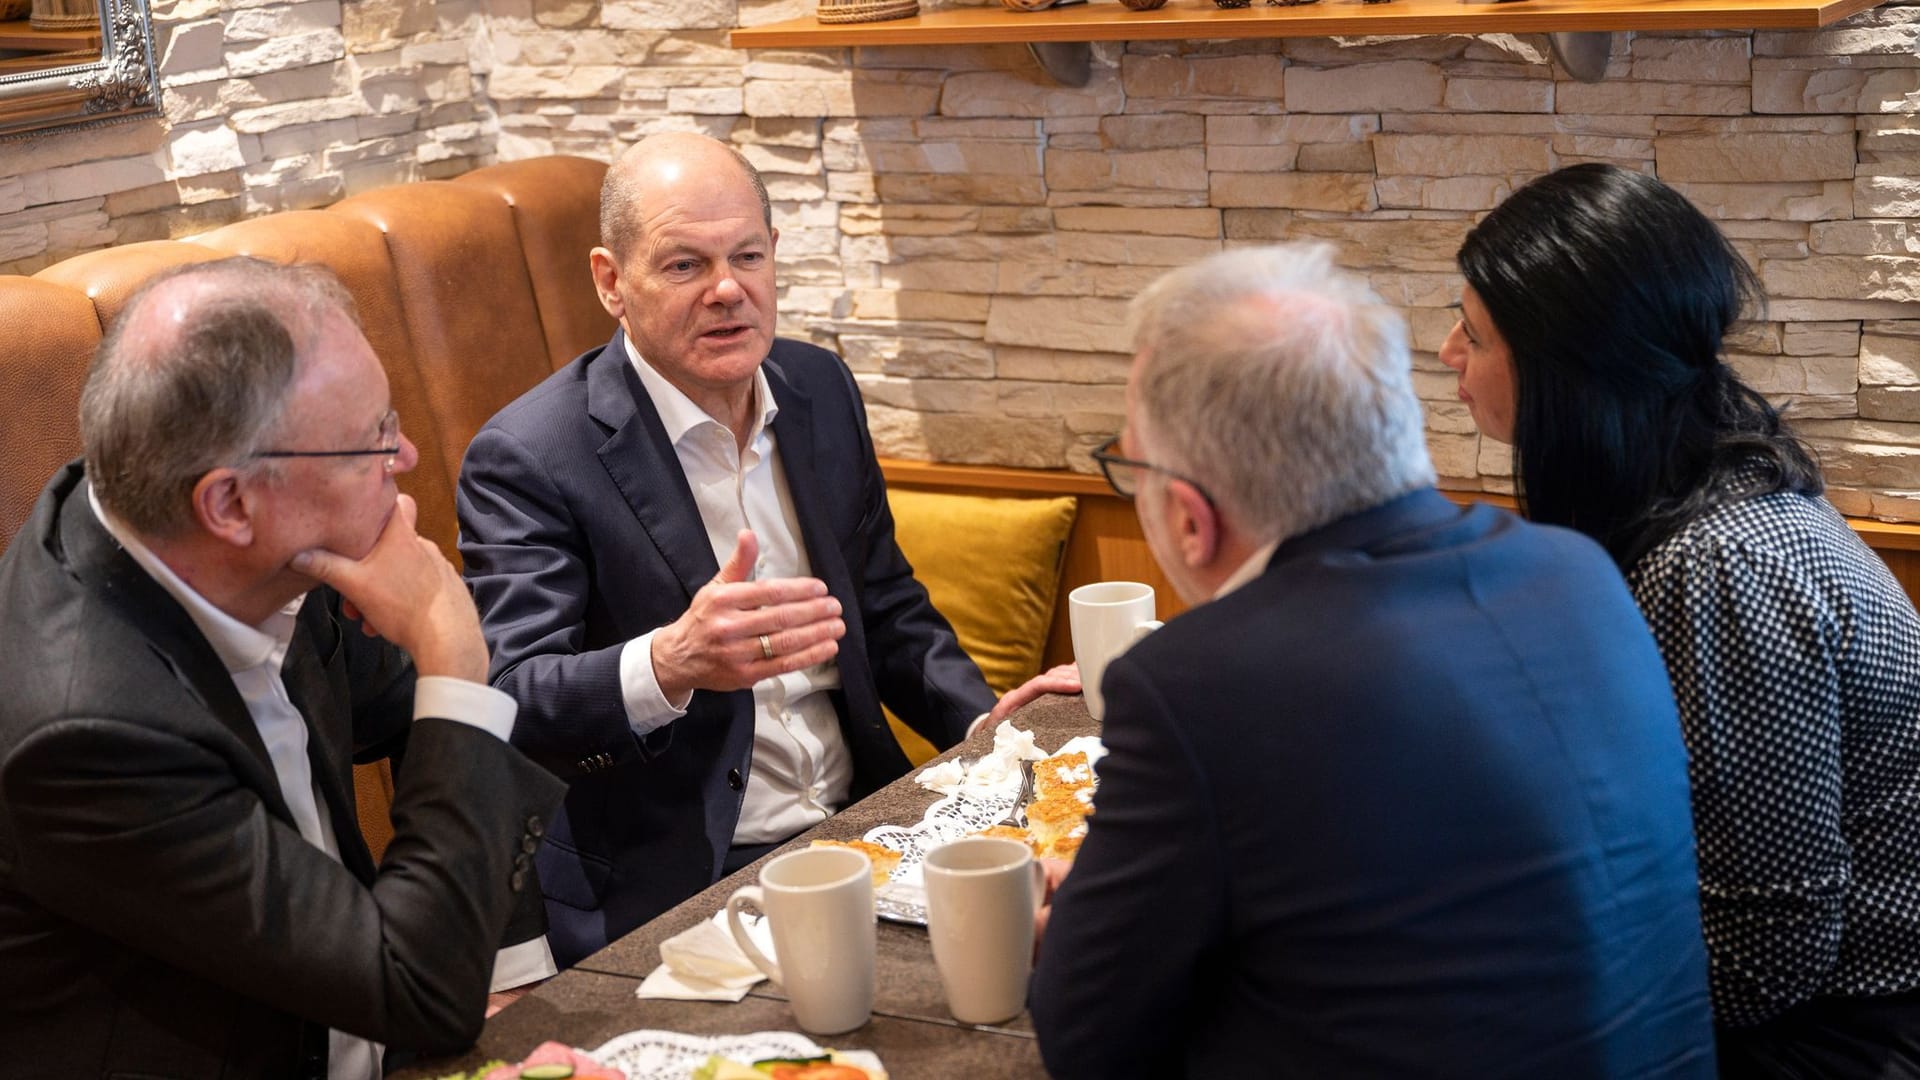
(407, 592)
(723, 640)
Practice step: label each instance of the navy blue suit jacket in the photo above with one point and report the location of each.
(579, 533)
(1412, 803)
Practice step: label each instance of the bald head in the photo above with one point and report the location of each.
(193, 375)
(653, 169)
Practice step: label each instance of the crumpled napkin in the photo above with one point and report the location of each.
(704, 964)
(997, 772)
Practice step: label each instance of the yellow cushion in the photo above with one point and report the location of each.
(992, 567)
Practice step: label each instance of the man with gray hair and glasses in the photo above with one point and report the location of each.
(206, 622)
(1403, 794)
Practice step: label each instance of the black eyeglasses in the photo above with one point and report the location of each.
(1125, 489)
(389, 445)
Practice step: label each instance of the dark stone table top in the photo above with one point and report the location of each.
(911, 1029)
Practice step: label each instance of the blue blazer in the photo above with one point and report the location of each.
(1412, 803)
(579, 533)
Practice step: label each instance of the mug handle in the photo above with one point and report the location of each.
(1146, 628)
(750, 894)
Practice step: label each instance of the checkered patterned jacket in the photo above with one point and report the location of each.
(1795, 658)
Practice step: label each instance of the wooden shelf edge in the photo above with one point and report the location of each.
(1104, 20)
(990, 479)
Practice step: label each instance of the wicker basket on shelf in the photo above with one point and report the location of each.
(65, 15)
(856, 11)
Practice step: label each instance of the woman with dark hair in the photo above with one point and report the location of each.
(1595, 305)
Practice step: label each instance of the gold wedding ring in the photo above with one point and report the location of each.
(766, 647)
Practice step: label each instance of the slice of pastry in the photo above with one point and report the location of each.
(1062, 775)
(1009, 832)
(883, 859)
(1051, 820)
(1067, 846)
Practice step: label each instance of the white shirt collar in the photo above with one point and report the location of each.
(1255, 565)
(239, 646)
(678, 413)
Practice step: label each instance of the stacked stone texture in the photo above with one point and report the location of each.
(967, 234)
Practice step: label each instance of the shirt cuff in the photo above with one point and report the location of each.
(463, 702)
(647, 705)
(979, 722)
(518, 965)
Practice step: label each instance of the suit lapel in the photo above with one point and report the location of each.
(799, 439)
(642, 464)
(793, 431)
(305, 677)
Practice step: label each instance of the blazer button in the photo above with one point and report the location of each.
(529, 845)
(534, 826)
(734, 781)
(518, 880)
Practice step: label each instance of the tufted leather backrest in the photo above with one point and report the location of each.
(470, 290)
(51, 334)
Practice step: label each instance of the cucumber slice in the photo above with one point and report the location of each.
(556, 1071)
(767, 1064)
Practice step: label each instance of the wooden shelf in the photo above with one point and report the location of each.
(19, 35)
(1105, 20)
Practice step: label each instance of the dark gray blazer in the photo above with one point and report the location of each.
(579, 533)
(160, 914)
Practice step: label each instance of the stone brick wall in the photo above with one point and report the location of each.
(967, 234)
(268, 106)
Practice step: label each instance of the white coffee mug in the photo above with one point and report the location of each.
(820, 904)
(1107, 618)
(982, 892)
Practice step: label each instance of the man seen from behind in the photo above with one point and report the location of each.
(1403, 794)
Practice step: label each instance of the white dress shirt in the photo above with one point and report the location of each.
(801, 770)
(253, 656)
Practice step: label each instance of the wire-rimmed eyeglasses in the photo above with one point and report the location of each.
(1114, 467)
(389, 445)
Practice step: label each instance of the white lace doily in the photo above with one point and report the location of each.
(903, 898)
(970, 809)
(670, 1055)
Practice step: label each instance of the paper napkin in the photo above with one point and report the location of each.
(703, 963)
(995, 773)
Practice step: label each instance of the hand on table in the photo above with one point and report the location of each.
(723, 640)
(503, 998)
(1064, 679)
(404, 590)
(1056, 872)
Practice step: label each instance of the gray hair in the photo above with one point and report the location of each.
(1282, 384)
(620, 204)
(168, 400)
